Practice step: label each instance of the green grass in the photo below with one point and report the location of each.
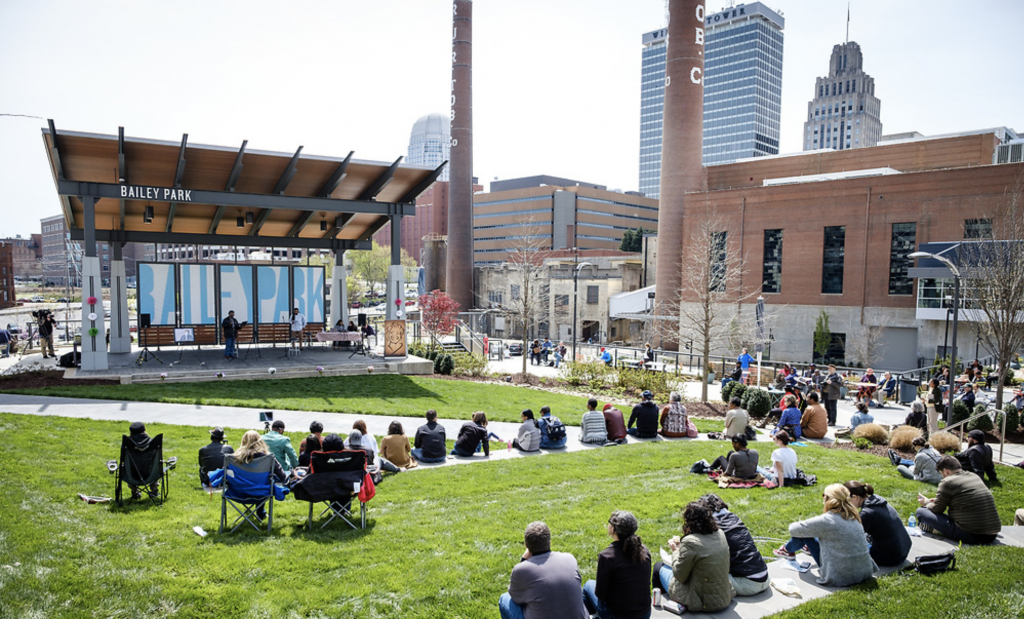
(381, 394)
(440, 542)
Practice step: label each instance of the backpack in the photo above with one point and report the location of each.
(555, 429)
(933, 564)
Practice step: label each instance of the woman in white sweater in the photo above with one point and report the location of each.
(529, 433)
(834, 539)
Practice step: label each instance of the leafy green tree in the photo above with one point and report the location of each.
(822, 336)
(632, 240)
(372, 266)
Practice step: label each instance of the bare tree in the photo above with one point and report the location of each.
(869, 345)
(711, 275)
(527, 303)
(993, 281)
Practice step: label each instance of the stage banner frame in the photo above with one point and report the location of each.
(314, 309)
(191, 278)
(241, 278)
(270, 309)
(158, 306)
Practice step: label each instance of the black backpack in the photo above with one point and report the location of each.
(556, 429)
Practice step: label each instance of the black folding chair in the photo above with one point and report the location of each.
(141, 468)
(334, 479)
(247, 488)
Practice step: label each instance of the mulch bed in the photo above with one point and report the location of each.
(41, 379)
(878, 450)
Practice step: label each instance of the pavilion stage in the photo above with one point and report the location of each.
(191, 364)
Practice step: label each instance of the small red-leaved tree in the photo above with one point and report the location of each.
(438, 314)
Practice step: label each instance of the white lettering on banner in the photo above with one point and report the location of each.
(699, 36)
(156, 193)
(695, 75)
(700, 12)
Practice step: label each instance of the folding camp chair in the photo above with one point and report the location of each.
(141, 468)
(247, 488)
(334, 479)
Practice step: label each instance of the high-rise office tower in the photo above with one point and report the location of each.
(844, 112)
(742, 89)
(430, 142)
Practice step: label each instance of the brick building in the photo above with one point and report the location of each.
(6, 274)
(60, 258)
(27, 255)
(832, 231)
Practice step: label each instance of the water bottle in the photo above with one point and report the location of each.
(912, 521)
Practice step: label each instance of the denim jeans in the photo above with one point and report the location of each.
(812, 544)
(931, 522)
(596, 606)
(665, 576)
(458, 452)
(229, 347)
(418, 454)
(508, 608)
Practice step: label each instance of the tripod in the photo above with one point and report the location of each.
(146, 354)
(252, 344)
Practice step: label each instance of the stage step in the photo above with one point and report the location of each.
(255, 374)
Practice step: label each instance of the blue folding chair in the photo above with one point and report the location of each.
(247, 488)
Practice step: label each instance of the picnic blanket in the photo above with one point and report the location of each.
(728, 481)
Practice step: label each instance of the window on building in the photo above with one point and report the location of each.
(977, 229)
(593, 295)
(832, 260)
(515, 292)
(561, 300)
(904, 240)
(495, 297)
(771, 278)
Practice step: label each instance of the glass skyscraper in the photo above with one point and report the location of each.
(430, 142)
(742, 89)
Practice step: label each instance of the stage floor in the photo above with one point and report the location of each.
(189, 364)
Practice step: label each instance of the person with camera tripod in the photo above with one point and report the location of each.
(47, 325)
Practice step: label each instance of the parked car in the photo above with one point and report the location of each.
(410, 303)
(515, 350)
(356, 305)
(38, 299)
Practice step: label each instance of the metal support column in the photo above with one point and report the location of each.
(396, 273)
(120, 335)
(94, 348)
(339, 290)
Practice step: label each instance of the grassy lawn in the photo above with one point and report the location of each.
(440, 542)
(381, 394)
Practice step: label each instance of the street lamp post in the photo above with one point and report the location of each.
(577, 265)
(956, 315)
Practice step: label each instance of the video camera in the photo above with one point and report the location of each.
(266, 417)
(41, 314)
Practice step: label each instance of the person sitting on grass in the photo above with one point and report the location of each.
(814, 421)
(978, 457)
(253, 446)
(972, 516)
(552, 430)
(529, 433)
(544, 583)
(428, 445)
(748, 572)
(281, 446)
(623, 573)
(861, 416)
(211, 457)
(674, 421)
(835, 540)
(472, 434)
(645, 415)
(356, 440)
(615, 422)
(741, 463)
(789, 421)
(395, 447)
(922, 467)
(783, 471)
(698, 578)
(306, 448)
(592, 426)
(736, 419)
(888, 540)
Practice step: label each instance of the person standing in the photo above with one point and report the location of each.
(623, 573)
(298, 323)
(745, 360)
(544, 584)
(933, 400)
(47, 324)
(229, 327)
(832, 384)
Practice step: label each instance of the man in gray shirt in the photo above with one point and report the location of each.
(545, 584)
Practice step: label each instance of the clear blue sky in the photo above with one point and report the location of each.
(556, 82)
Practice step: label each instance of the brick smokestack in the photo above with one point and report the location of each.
(682, 171)
(459, 270)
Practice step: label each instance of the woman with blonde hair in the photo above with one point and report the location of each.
(835, 540)
(253, 447)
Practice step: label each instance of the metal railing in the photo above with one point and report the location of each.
(988, 412)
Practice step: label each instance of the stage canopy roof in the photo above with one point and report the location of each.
(151, 191)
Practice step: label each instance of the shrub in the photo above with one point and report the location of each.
(592, 373)
(738, 391)
(960, 412)
(902, 436)
(872, 432)
(1012, 417)
(727, 390)
(861, 442)
(945, 442)
(983, 423)
(758, 403)
(469, 364)
(443, 364)
(637, 381)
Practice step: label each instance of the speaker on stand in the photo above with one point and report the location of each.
(145, 322)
